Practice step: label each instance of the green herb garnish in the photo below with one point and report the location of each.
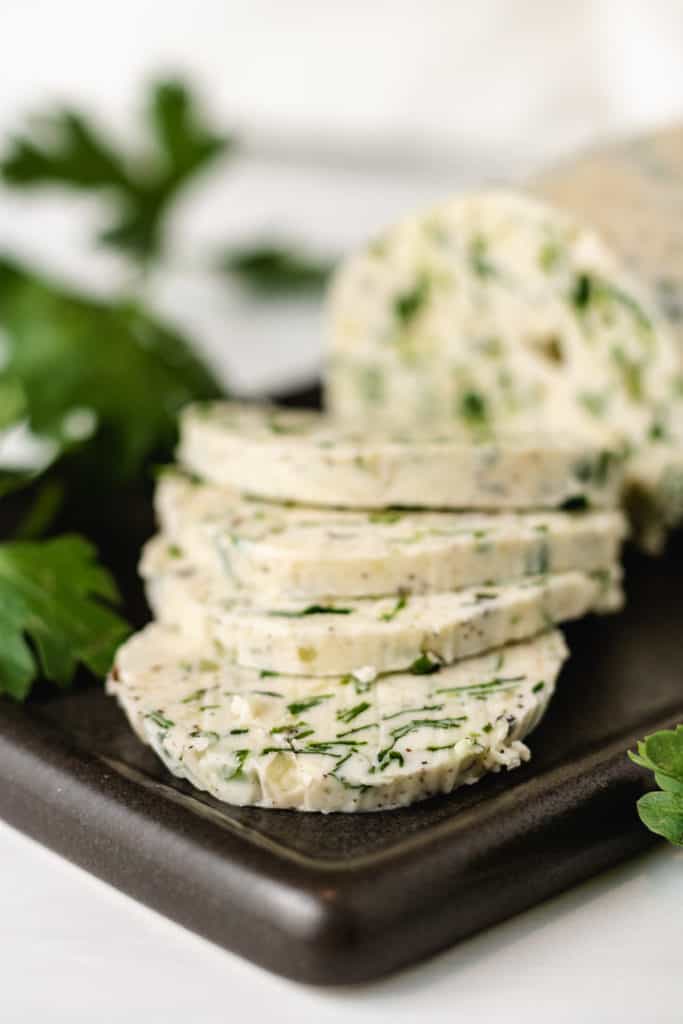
(65, 148)
(54, 594)
(102, 381)
(662, 812)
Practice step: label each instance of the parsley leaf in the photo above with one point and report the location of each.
(65, 148)
(662, 812)
(270, 268)
(55, 594)
(104, 380)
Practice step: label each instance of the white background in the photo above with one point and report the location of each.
(350, 112)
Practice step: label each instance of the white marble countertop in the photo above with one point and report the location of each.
(76, 951)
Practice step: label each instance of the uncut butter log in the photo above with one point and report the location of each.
(303, 456)
(332, 744)
(366, 636)
(631, 191)
(498, 309)
(320, 554)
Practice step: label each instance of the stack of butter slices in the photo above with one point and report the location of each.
(349, 621)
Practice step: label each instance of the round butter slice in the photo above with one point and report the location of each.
(495, 309)
(333, 744)
(302, 456)
(370, 636)
(315, 554)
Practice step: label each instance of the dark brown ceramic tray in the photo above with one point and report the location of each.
(339, 898)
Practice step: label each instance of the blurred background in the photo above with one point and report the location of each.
(343, 115)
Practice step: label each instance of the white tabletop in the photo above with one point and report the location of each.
(76, 951)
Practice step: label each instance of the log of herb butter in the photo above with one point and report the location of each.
(631, 191)
(302, 456)
(365, 635)
(496, 309)
(320, 554)
(252, 738)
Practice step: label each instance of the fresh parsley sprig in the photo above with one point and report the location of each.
(104, 380)
(66, 148)
(55, 594)
(662, 812)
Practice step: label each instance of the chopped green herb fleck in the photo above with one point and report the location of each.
(238, 773)
(387, 515)
(371, 384)
(631, 373)
(538, 560)
(390, 755)
(478, 258)
(158, 718)
(398, 607)
(493, 684)
(582, 291)
(197, 695)
(409, 303)
(349, 714)
(425, 665)
(473, 408)
(205, 665)
(549, 256)
(594, 402)
(412, 711)
(312, 609)
(296, 731)
(359, 728)
(307, 654)
(577, 503)
(299, 706)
